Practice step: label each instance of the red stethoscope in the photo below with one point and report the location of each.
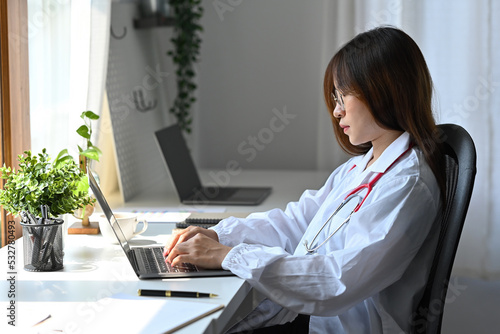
(352, 195)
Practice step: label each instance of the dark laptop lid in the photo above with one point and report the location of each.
(128, 251)
(109, 214)
(179, 161)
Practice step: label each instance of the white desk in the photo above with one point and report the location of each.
(287, 186)
(95, 269)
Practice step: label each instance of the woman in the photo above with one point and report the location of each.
(362, 274)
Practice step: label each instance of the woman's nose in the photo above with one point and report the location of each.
(338, 112)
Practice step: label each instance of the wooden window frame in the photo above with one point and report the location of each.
(14, 93)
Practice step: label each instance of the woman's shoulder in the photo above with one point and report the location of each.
(415, 167)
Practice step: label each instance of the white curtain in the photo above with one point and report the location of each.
(68, 47)
(461, 43)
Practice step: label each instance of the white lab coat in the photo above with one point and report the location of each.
(367, 278)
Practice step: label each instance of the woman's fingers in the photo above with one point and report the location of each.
(200, 250)
(178, 238)
(187, 234)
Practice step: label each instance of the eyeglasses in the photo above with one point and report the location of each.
(339, 100)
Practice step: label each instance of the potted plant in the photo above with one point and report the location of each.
(186, 41)
(61, 185)
(39, 191)
(92, 152)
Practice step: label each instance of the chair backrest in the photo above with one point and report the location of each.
(460, 174)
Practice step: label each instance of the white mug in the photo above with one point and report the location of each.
(128, 222)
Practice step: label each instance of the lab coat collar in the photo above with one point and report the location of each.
(390, 154)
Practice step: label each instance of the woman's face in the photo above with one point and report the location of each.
(357, 121)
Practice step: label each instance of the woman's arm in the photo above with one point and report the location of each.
(380, 242)
(279, 228)
(273, 228)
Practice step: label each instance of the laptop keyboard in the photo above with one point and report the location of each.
(154, 262)
(184, 268)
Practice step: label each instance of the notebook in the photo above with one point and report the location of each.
(186, 179)
(207, 219)
(148, 262)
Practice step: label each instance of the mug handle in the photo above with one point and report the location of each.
(144, 227)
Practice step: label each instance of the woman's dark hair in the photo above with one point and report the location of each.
(385, 69)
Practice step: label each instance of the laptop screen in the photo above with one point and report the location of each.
(179, 161)
(107, 211)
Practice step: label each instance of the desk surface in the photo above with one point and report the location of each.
(95, 269)
(286, 186)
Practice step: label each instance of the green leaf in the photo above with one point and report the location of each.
(83, 131)
(91, 153)
(83, 185)
(63, 152)
(90, 115)
(61, 158)
(96, 149)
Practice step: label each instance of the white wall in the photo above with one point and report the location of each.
(260, 93)
(259, 55)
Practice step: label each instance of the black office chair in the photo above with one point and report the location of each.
(460, 174)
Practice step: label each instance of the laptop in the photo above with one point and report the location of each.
(148, 262)
(187, 182)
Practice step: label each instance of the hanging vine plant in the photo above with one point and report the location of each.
(186, 52)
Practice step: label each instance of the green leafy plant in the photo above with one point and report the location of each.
(186, 52)
(90, 151)
(61, 184)
(39, 182)
(85, 131)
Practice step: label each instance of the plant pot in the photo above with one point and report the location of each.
(43, 245)
(84, 214)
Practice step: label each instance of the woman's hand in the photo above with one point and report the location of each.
(199, 250)
(198, 246)
(187, 234)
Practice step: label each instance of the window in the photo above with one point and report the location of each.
(14, 90)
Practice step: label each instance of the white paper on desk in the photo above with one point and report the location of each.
(162, 217)
(149, 315)
(145, 315)
(169, 215)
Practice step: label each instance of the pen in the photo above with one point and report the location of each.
(169, 293)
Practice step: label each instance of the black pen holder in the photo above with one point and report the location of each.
(43, 245)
